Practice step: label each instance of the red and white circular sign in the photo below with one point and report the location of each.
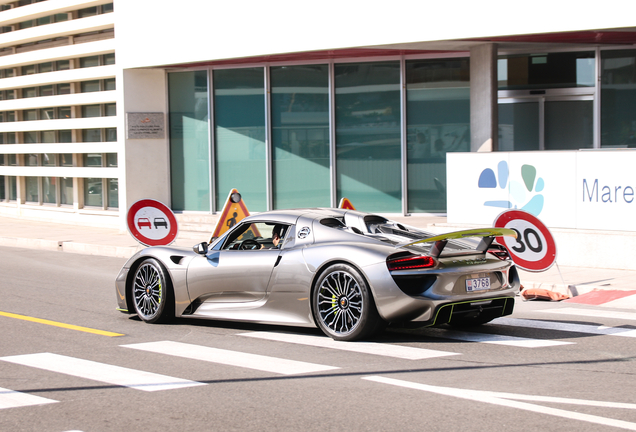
(534, 248)
(152, 223)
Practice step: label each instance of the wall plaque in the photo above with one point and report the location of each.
(145, 126)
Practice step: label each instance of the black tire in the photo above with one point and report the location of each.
(152, 292)
(343, 306)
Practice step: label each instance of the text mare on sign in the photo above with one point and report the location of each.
(145, 126)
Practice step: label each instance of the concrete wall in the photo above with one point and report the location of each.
(145, 163)
(164, 33)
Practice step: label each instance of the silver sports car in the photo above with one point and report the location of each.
(348, 273)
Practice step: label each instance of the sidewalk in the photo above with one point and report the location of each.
(616, 288)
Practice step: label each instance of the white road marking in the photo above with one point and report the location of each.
(567, 327)
(503, 399)
(501, 339)
(381, 349)
(231, 358)
(14, 399)
(630, 316)
(110, 374)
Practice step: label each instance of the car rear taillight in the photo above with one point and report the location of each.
(410, 262)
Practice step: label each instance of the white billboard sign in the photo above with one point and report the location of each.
(587, 189)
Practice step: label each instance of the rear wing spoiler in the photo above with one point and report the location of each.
(487, 237)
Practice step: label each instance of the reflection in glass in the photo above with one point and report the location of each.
(552, 70)
(438, 122)
(368, 135)
(66, 190)
(300, 136)
(32, 189)
(519, 126)
(48, 190)
(569, 125)
(13, 188)
(239, 119)
(618, 93)
(113, 193)
(189, 143)
(93, 192)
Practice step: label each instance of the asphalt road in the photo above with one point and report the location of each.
(548, 367)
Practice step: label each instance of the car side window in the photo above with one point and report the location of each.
(256, 236)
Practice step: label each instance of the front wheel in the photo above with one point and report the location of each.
(152, 292)
(343, 306)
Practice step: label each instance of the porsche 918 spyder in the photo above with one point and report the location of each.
(346, 272)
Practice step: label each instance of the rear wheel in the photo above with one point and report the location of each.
(152, 293)
(343, 305)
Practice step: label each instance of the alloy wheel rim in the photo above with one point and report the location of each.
(340, 303)
(147, 290)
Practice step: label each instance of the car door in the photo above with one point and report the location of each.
(239, 271)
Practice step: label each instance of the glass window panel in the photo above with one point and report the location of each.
(10, 94)
(107, 8)
(61, 17)
(519, 126)
(90, 86)
(13, 159)
(553, 70)
(568, 125)
(62, 65)
(47, 114)
(109, 84)
(91, 135)
(83, 13)
(189, 142)
(31, 160)
(30, 137)
(28, 115)
(32, 192)
(2, 159)
(111, 134)
(46, 90)
(13, 188)
(111, 109)
(113, 193)
(11, 138)
(239, 101)
(618, 93)
(65, 136)
(93, 160)
(91, 111)
(48, 159)
(368, 150)
(89, 61)
(66, 190)
(63, 89)
(3, 195)
(438, 122)
(111, 159)
(109, 59)
(66, 159)
(28, 70)
(300, 136)
(9, 116)
(44, 20)
(93, 192)
(64, 112)
(48, 136)
(29, 92)
(48, 190)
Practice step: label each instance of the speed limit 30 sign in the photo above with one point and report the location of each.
(534, 248)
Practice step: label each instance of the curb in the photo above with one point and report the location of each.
(70, 247)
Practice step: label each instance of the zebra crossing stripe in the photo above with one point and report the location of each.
(566, 327)
(596, 313)
(101, 372)
(501, 339)
(381, 349)
(14, 399)
(231, 358)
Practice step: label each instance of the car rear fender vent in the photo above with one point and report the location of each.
(414, 285)
(486, 310)
(176, 259)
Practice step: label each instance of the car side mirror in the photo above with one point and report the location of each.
(201, 248)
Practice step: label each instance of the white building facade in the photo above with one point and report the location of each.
(107, 103)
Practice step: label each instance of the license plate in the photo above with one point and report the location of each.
(478, 284)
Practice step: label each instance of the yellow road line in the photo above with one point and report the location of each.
(59, 324)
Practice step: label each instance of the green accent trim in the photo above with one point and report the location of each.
(480, 232)
(122, 310)
(452, 305)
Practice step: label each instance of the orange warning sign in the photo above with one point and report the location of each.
(346, 204)
(233, 212)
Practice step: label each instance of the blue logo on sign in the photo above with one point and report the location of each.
(523, 195)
